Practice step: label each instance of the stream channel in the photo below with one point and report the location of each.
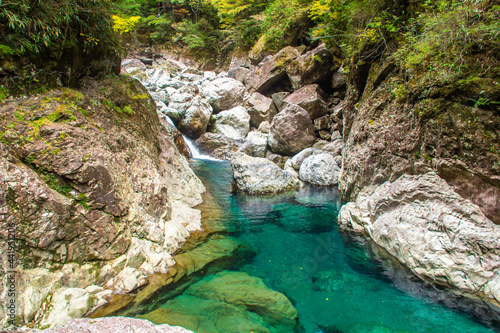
(336, 282)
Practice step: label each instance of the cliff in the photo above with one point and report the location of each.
(96, 194)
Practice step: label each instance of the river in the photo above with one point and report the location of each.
(337, 283)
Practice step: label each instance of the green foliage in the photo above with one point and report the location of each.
(281, 16)
(38, 38)
(4, 93)
(443, 41)
(199, 37)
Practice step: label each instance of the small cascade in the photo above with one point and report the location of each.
(195, 152)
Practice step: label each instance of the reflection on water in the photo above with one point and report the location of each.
(336, 283)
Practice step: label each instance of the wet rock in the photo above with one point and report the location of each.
(260, 108)
(291, 131)
(320, 169)
(216, 249)
(224, 93)
(433, 231)
(233, 123)
(257, 175)
(311, 98)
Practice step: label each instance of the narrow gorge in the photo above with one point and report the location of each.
(348, 186)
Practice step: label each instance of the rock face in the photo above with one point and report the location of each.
(257, 175)
(224, 93)
(312, 99)
(291, 131)
(229, 302)
(433, 129)
(233, 123)
(102, 183)
(321, 170)
(432, 230)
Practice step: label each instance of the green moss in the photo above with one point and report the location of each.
(82, 200)
(86, 158)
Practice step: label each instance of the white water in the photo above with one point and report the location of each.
(196, 153)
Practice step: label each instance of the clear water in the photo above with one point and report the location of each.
(336, 283)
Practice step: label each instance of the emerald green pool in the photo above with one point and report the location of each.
(336, 283)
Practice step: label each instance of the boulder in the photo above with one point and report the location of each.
(196, 117)
(314, 66)
(233, 123)
(339, 80)
(290, 67)
(320, 169)
(297, 159)
(260, 108)
(258, 143)
(436, 233)
(312, 99)
(189, 110)
(292, 130)
(131, 65)
(257, 175)
(224, 93)
(218, 145)
(272, 71)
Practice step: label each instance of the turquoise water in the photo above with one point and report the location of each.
(336, 283)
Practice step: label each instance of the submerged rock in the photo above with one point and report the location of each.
(433, 231)
(257, 175)
(228, 302)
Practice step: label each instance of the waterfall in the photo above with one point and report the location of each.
(195, 152)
